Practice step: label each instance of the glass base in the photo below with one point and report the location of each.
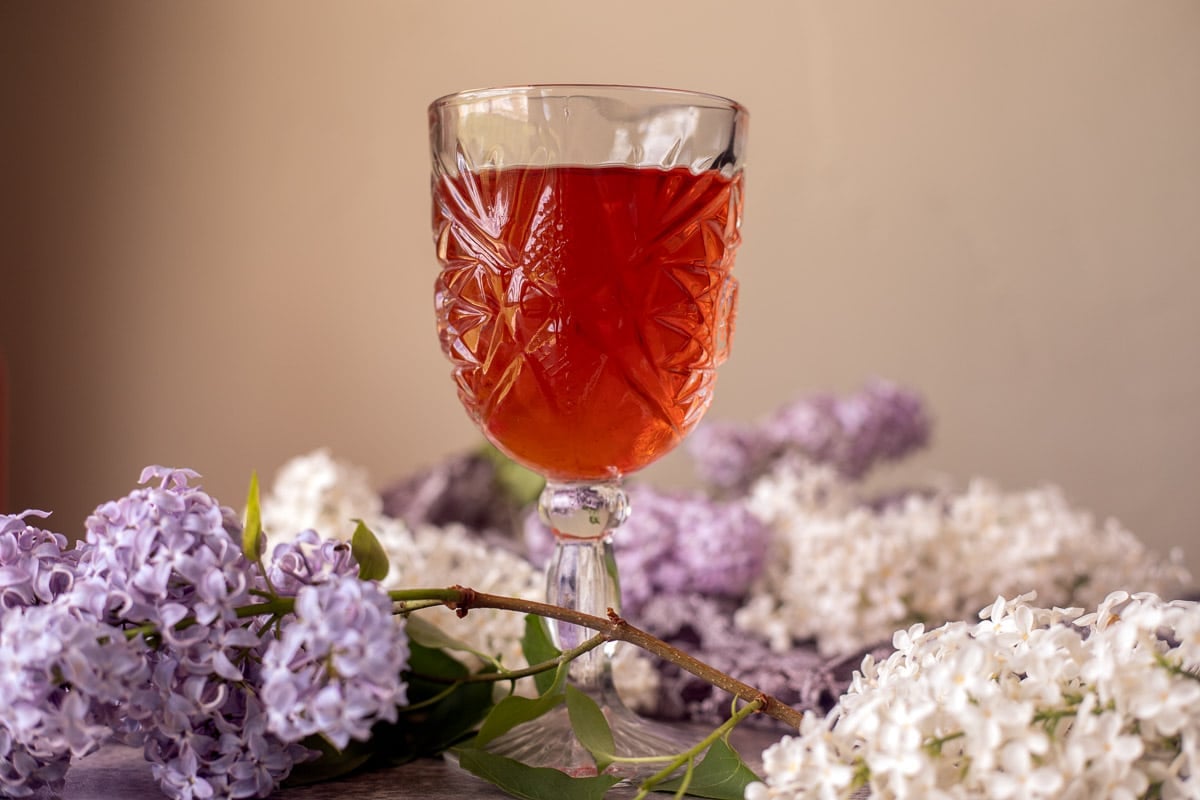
(582, 575)
(549, 741)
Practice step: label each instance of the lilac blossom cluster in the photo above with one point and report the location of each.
(677, 543)
(63, 673)
(46, 646)
(847, 574)
(331, 672)
(308, 560)
(703, 626)
(138, 634)
(316, 490)
(35, 564)
(1028, 702)
(463, 489)
(687, 562)
(161, 555)
(882, 422)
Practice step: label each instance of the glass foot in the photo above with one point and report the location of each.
(549, 741)
(583, 576)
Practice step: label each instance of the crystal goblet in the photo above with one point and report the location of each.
(586, 236)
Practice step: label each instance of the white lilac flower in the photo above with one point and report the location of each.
(336, 668)
(425, 555)
(319, 492)
(431, 556)
(1056, 705)
(847, 573)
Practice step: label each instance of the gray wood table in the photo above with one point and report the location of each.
(122, 773)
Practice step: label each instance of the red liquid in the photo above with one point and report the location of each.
(585, 309)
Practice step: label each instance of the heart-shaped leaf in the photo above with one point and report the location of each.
(514, 710)
(369, 553)
(590, 726)
(722, 775)
(538, 647)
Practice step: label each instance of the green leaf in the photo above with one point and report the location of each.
(532, 783)
(590, 726)
(513, 710)
(432, 729)
(520, 484)
(426, 660)
(369, 553)
(252, 532)
(537, 647)
(722, 775)
(424, 632)
(510, 712)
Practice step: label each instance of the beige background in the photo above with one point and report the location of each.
(216, 249)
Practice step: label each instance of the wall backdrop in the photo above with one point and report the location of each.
(216, 243)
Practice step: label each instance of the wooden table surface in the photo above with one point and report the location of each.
(121, 773)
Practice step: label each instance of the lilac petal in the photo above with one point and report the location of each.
(225, 668)
(12, 576)
(170, 614)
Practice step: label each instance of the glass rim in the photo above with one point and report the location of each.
(551, 90)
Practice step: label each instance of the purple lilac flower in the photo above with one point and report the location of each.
(882, 422)
(307, 560)
(35, 564)
(730, 455)
(230, 754)
(168, 546)
(703, 626)
(62, 672)
(180, 776)
(336, 668)
(167, 557)
(170, 556)
(462, 489)
(24, 774)
(677, 543)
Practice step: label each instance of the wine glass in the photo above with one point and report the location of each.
(586, 235)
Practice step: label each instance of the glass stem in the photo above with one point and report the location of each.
(582, 574)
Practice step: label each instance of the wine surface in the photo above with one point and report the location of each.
(585, 309)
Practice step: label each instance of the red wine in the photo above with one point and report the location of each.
(585, 309)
